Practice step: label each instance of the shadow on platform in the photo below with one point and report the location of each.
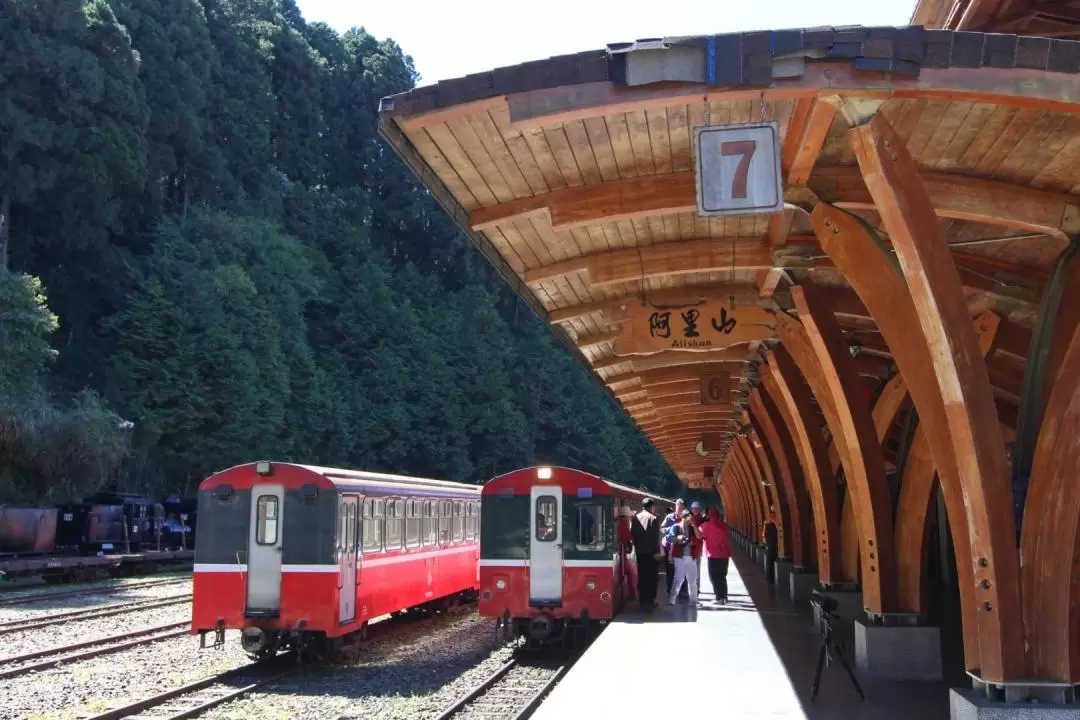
(781, 661)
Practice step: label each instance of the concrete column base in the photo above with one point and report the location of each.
(898, 652)
(801, 584)
(967, 704)
(783, 573)
(849, 606)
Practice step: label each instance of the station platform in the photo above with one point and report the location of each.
(752, 658)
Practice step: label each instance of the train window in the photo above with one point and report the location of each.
(459, 521)
(431, 523)
(413, 518)
(395, 519)
(372, 526)
(470, 521)
(445, 521)
(591, 531)
(350, 526)
(546, 529)
(266, 530)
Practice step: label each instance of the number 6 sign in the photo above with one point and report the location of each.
(738, 169)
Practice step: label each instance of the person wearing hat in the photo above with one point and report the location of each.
(645, 530)
(682, 536)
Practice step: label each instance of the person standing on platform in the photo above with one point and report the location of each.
(718, 553)
(670, 520)
(645, 529)
(771, 540)
(697, 516)
(626, 547)
(682, 536)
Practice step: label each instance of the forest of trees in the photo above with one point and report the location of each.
(207, 257)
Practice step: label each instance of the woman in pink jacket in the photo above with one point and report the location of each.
(718, 552)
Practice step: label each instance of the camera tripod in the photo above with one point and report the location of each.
(830, 650)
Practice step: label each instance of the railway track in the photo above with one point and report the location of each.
(513, 692)
(41, 621)
(22, 599)
(197, 697)
(16, 665)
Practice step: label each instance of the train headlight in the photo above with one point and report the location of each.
(590, 586)
(543, 473)
(500, 584)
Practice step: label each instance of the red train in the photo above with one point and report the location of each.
(299, 557)
(551, 569)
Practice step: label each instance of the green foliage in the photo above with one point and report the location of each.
(25, 326)
(244, 271)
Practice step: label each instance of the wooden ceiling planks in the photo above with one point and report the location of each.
(586, 189)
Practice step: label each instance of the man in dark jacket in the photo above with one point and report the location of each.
(645, 529)
(770, 539)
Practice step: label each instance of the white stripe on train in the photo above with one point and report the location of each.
(566, 563)
(365, 562)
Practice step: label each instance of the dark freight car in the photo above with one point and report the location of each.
(27, 530)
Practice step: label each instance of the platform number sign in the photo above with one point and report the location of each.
(716, 389)
(738, 169)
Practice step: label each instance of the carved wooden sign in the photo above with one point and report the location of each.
(702, 326)
(716, 389)
(738, 169)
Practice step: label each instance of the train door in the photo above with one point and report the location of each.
(264, 549)
(347, 570)
(545, 546)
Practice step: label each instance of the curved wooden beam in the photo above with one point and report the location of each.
(877, 280)
(916, 498)
(681, 257)
(962, 383)
(738, 483)
(783, 381)
(818, 348)
(850, 547)
(736, 356)
(769, 473)
(1013, 86)
(954, 196)
(1050, 540)
(891, 401)
(761, 502)
(768, 423)
(912, 512)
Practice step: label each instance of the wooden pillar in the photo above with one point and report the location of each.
(1059, 315)
(781, 459)
(746, 483)
(1050, 542)
(916, 495)
(761, 502)
(818, 349)
(772, 426)
(783, 381)
(769, 473)
(956, 402)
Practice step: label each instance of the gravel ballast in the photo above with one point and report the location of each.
(411, 674)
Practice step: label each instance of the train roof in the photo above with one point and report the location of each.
(355, 480)
(624, 489)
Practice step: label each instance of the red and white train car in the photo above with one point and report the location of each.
(550, 558)
(291, 554)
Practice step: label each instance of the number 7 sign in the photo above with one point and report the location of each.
(738, 169)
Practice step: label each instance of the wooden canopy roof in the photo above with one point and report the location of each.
(1046, 18)
(575, 176)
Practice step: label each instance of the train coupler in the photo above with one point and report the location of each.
(219, 635)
